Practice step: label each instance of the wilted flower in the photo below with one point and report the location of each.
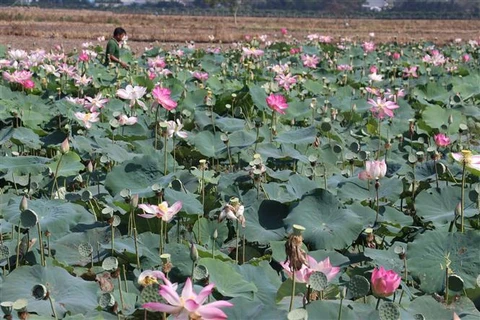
(233, 211)
(175, 127)
(410, 72)
(375, 77)
(344, 67)
(202, 76)
(162, 211)
(125, 120)
(277, 103)
(162, 96)
(189, 305)
(382, 107)
(441, 140)
(384, 282)
(303, 275)
(375, 169)
(251, 52)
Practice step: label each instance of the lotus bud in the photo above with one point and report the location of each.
(23, 204)
(458, 209)
(134, 201)
(215, 234)
(193, 252)
(450, 119)
(90, 167)
(65, 146)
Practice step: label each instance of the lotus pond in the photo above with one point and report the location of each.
(319, 178)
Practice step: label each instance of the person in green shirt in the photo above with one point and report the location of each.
(112, 52)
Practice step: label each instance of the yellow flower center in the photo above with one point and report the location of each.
(163, 207)
(467, 156)
(149, 280)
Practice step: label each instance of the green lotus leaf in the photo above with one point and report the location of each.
(229, 124)
(228, 282)
(26, 137)
(354, 188)
(328, 225)
(138, 175)
(298, 110)
(298, 137)
(435, 116)
(207, 229)
(284, 151)
(70, 294)
(244, 308)
(466, 86)
(209, 144)
(389, 259)
(285, 289)
(56, 216)
(190, 204)
(259, 97)
(428, 254)
(438, 205)
(241, 139)
(434, 92)
(193, 99)
(19, 169)
(278, 192)
(429, 308)
(70, 165)
(329, 309)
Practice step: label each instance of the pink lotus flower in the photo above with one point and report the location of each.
(277, 103)
(465, 157)
(251, 52)
(83, 57)
(162, 96)
(202, 76)
(294, 51)
(161, 211)
(396, 56)
(175, 127)
(28, 84)
(384, 282)
(373, 69)
(284, 31)
(374, 170)
(134, 94)
(149, 277)
(87, 118)
(303, 275)
(95, 103)
(382, 107)
(410, 72)
(125, 120)
(368, 46)
(441, 140)
(466, 58)
(82, 80)
(157, 62)
(286, 80)
(189, 305)
(310, 61)
(344, 67)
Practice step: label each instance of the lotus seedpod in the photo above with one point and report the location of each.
(150, 294)
(125, 193)
(177, 185)
(298, 229)
(298, 314)
(156, 188)
(107, 211)
(104, 159)
(455, 283)
(337, 148)
(318, 281)
(28, 218)
(418, 316)
(166, 258)
(200, 272)
(39, 292)
(462, 127)
(389, 311)
(86, 195)
(359, 286)
(85, 249)
(326, 126)
(20, 305)
(363, 155)
(116, 220)
(106, 300)
(114, 123)
(441, 168)
(7, 307)
(412, 158)
(420, 156)
(312, 159)
(110, 264)
(224, 137)
(4, 252)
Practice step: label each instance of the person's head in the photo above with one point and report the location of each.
(119, 33)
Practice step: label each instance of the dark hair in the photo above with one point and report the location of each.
(118, 31)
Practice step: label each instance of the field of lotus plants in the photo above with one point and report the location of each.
(310, 178)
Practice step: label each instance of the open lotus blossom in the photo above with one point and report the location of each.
(189, 305)
(375, 77)
(277, 103)
(251, 52)
(125, 120)
(441, 140)
(157, 62)
(82, 81)
(344, 67)
(233, 212)
(303, 275)
(162, 96)
(466, 157)
(382, 107)
(286, 80)
(375, 169)
(410, 72)
(202, 76)
(384, 282)
(175, 127)
(83, 57)
(368, 46)
(17, 76)
(87, 118)
(96, 103)
(134, 94)
(310, 61)
(161, 211)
